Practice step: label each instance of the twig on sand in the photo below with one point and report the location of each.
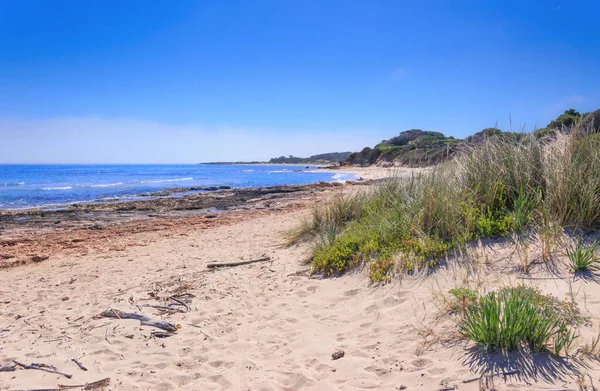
(79, 364)
(505, 373)
(106, 335)
(199, 327)
(165, 308)
(97, 385)
(144, 319)
(43, 367)
(181, 302)
(232, 264)
(558, 389)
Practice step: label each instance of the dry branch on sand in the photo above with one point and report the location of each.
(232, 264)
(97, 385)
(144, 319)
(43, 367)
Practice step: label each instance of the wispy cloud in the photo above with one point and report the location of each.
(110, 140)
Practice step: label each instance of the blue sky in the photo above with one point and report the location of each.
(188, 81)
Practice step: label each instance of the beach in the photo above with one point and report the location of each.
(267, 325)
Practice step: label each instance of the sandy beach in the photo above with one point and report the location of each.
(262, 326)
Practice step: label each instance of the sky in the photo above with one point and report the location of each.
(206, 80)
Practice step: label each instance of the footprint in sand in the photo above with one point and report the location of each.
(220, 363)
(421, 363)
(352, 292)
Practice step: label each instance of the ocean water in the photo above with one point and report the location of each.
(51, 186)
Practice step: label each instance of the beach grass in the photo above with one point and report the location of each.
(520, 316)
(582, 257)
(495, 189)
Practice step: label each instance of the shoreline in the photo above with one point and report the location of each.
(30, 235)
(175, 192)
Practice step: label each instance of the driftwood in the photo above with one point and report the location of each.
(506, 373)
(79, 364)
(173, 307)
(144, 319)
(232, 264)
(8, 368)
(43, 367)
(97, 385)
(176, 299)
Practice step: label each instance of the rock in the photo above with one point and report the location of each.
(224, 187)
(590, 123)
(337, 355)
(38, 258)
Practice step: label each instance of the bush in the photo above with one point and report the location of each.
(514, 317)
(581, 257)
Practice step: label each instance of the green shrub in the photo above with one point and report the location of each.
(512, 318)
(583, 258)
(336, 258)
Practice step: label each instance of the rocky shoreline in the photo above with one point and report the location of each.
(81, 228)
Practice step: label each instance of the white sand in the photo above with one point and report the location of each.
(375, 172)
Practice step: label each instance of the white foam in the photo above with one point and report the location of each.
(58, 188)
(169, 180)
(280, 171)
(107, 184)
(248, 170)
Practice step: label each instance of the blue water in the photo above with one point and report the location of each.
(26, 186)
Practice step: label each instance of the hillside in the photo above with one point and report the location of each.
(419, 148)
(411, 148)
(324, 158)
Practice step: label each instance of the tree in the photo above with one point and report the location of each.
(568, 119)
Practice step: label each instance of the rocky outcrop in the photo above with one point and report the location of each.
(590, 123)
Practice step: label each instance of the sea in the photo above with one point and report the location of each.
(55, 186)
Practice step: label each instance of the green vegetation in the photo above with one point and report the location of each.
(583, 258)
(493, 189)
(419, 148)
(568, 119)
(413, 147)
(513, 317)
(324, 158)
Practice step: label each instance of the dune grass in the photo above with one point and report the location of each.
(516, 316)
(495, 189)
(583, 258)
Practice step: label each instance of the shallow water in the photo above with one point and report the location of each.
(25, 186)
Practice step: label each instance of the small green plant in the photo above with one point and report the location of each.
(464, 299)
(508, 319)
(549, 233)
(522, 248)
(581, 257)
